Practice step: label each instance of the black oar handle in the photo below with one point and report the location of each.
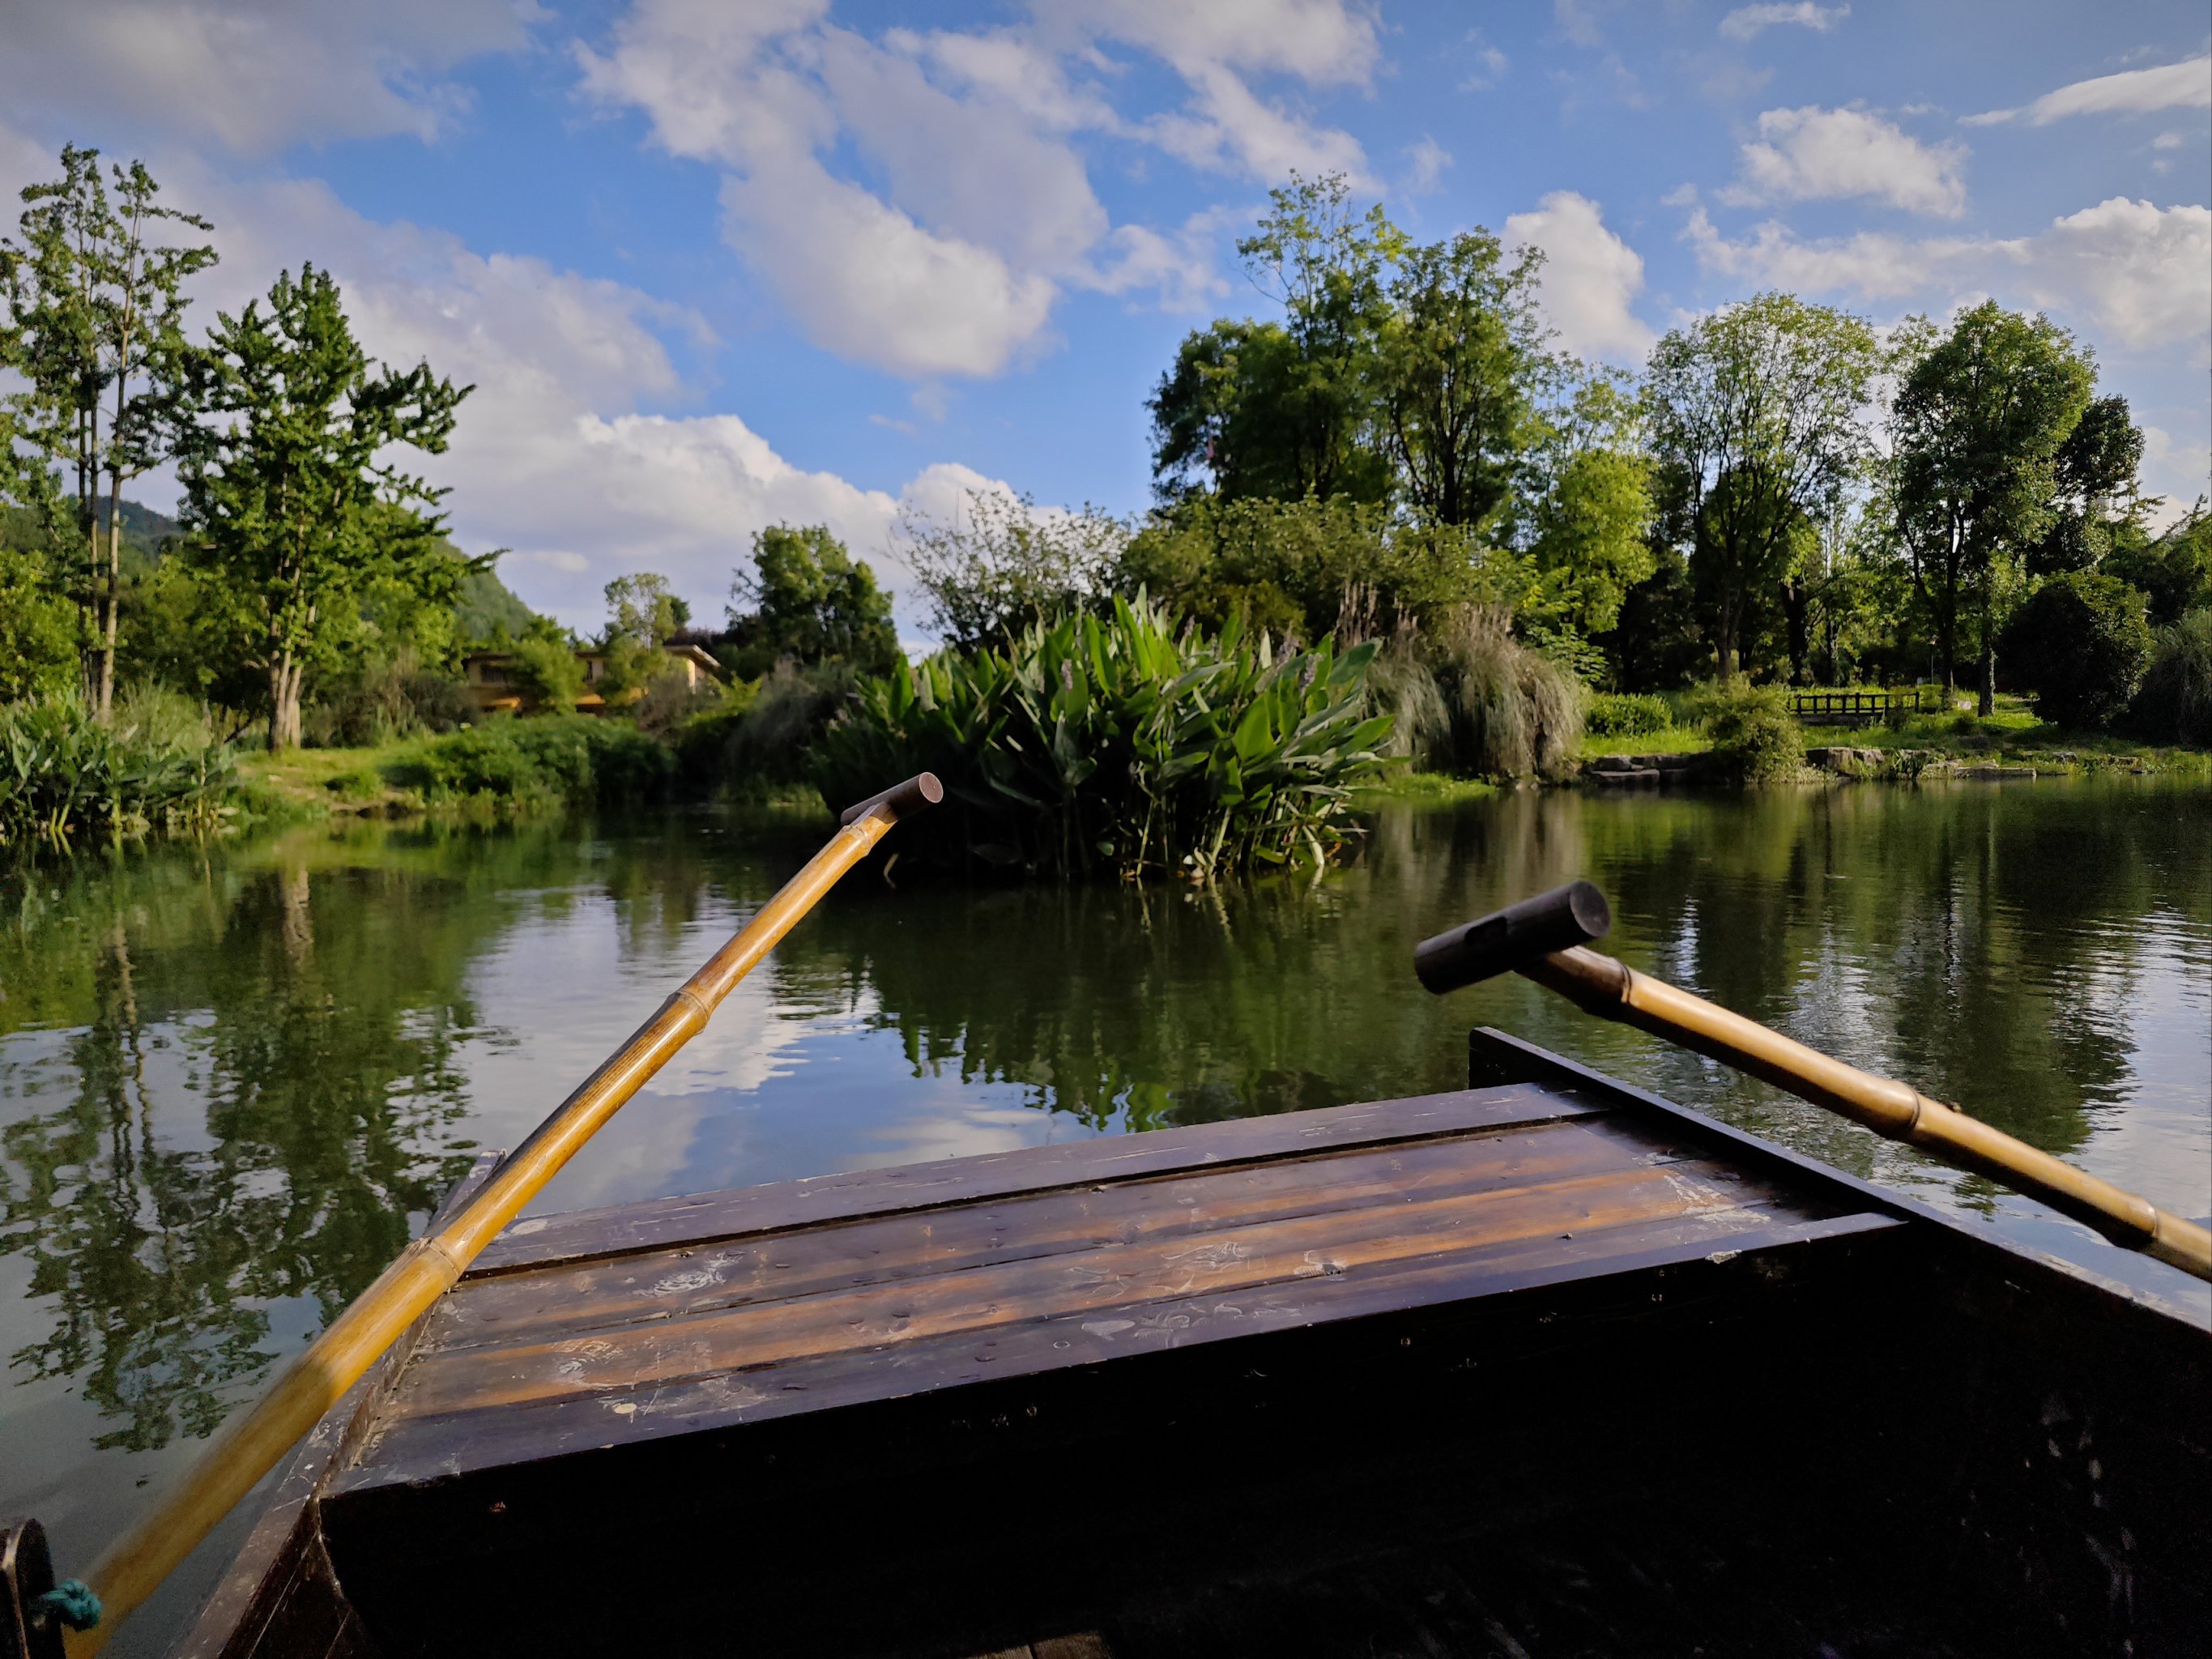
(1514, 937)
(921, 790)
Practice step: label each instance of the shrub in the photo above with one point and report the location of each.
(2175, 702)
(38, 629)
(2081, 644)
(570, 758)
(1493, 706)
(1115, 743)
(396, 699)
(1626, 714)
(546, 673)
(157, 767)
(1753, 732)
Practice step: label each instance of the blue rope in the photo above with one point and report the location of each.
(74, 1603)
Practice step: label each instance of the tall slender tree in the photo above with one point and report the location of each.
(1756, 422)
(1980, 419)
(96, 325)
(289, 498)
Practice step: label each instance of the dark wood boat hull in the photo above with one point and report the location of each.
(1543, 1368)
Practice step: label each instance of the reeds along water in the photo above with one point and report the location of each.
(1466, 696)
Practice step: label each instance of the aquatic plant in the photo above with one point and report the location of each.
(155, 766)
(1115, 742)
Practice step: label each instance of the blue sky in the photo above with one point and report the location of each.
(716, 266)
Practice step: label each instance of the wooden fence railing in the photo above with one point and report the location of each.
(1864, 708)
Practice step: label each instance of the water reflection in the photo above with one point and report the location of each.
(230, 1083)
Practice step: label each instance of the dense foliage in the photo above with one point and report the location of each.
(1753, 732)
(1626, 714)
(65, 775)
(1116, 743)
(566, 757)
(2175, 702)
(2084, 644)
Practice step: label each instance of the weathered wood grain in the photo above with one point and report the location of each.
(539, 1240)
(673, 1284)
(1108, 1276)
(414, 1449)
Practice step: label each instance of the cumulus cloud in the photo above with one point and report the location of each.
(976, 213)
(1590, 275)
(2138, 275)
(864, 281)
(256, 76)
(1746, 21)
(1815, 154)
(2170, 86)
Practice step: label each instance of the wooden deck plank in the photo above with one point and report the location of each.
(677, 1283)
(538, 1241)
(1111, 1276)
(420, 1449)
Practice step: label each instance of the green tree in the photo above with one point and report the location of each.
(1460, 365)
(2083, 643)
(545, 669)
(95, 331)
(2173, 568)
(643, 614)
(38, 634)
(1002, 563)
(1977, 429)
(808, 599)
(2096, 506)
(289, 497)
(1591, 510)
(1288, 410)
(1756, 426)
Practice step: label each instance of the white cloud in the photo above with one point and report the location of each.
(977, 212)
(1425, 164)
(1589, 275)
(1745, 21)
(252, 75)
(1228, 128)
(1813, 154)
(2170, 86)
(1326, 42)
(867, 283)
(2139, 275)
(1494, 64)
(2176, 469)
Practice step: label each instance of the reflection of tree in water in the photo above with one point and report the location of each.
(315, 1018)
(1974, 941)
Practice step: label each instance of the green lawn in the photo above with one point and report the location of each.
(335, 780)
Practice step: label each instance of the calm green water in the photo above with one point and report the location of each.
(232, 1081)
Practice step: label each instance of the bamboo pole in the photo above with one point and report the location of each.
(1539, 939)
(249, 1445)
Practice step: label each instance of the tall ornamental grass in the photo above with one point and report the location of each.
(1112, 743)
(2175, 702)
(64, 777)
(1468, 698)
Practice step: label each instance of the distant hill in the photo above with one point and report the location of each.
(487, 606)
(144, 530)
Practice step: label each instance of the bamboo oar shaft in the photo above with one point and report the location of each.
(248, 1446)
(1612, 989)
